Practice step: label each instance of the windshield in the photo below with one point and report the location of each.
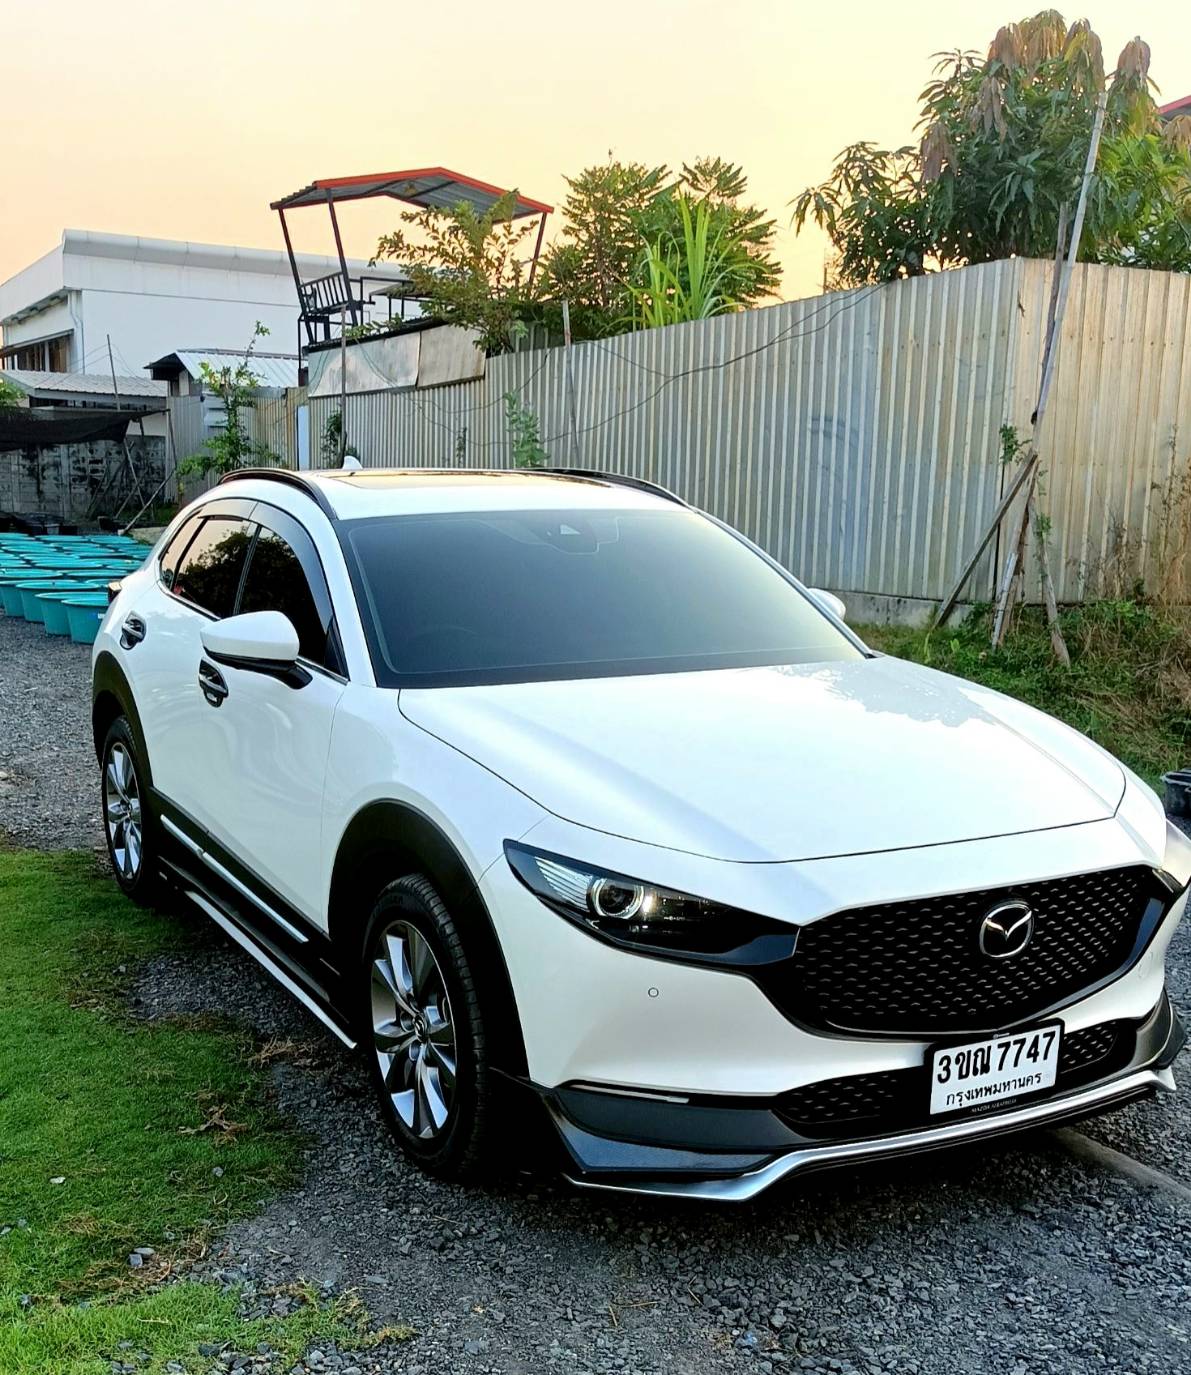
(516, 596)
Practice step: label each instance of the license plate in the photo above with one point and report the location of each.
(979, 1072)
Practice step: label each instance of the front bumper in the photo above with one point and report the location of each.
(730, 1150)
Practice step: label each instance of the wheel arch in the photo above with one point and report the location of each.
(386, 840)
(111, 696)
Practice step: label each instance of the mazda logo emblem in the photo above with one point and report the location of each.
(1006, 930)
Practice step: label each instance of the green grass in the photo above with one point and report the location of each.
(111, 1136)
(1128, 687)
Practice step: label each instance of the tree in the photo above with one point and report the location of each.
(1003, 144)
(470, 269)
(625, 222)
(10, 396)
(467, 267)
(232, 446)
(599, 251)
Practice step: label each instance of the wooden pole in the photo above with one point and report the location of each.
(948, 604)
(566, 334)
(1029, 467)
(1007, 589)
(1014, 571)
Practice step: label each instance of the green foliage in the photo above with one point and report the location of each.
(232, 446)
(524, 435)
(467, 267)
(627, 243)
(1128, 687)
(10, 396)
(470, 269)
(599, 249)
(684, 278)
(331, 441)
(331, 448)
(1004, 143)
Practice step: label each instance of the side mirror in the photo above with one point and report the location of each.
(258, 642)
(829, 602)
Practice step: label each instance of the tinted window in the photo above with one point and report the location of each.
(177, 547)
(276, 581)
(209, 573)
(513, 596)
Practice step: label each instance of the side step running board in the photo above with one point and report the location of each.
(269, 964)
(187, 884)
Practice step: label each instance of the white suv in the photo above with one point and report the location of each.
(575, 808)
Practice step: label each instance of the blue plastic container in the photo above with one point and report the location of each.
(85, 613)
(53, 612)
(31, 608)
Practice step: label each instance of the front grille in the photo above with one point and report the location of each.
(860, 1104)
(917, 967)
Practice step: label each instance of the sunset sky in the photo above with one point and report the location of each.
(184, 123)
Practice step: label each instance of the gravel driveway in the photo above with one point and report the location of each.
(1019, 1260)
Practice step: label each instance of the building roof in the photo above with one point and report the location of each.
(425, 186)
(43, 282)
(1172, 108)
(92, 386)
(273, 369)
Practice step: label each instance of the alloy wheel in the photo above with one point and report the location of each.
(122, 811)
(413, 1034)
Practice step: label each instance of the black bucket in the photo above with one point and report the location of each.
(1176, 788)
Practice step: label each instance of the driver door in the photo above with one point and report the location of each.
(265, 742)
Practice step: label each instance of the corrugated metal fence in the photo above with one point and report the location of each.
(856, 436)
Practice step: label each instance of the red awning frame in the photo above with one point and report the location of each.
(325, 297)
(444, 188)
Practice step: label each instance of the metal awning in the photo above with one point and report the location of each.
(335, 294)
(436, 187)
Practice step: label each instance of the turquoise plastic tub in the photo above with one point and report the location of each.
(31, 608)
(10, 594)
(53, 612)
(10, 590)
(85, 613)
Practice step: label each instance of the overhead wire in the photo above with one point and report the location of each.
(792, 332)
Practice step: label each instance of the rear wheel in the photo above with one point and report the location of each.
(426, 1040)
(127, 823)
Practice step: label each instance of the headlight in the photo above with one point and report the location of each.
(629, 912)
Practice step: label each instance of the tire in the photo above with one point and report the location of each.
(423, 1032)
(129, 827)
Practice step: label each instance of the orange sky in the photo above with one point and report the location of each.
(184, 123)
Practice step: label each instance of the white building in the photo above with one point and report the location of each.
(154, 296)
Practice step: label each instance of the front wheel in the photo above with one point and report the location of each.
(427, 1045)
(127, 822)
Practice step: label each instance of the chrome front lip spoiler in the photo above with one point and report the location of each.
(743, 1187)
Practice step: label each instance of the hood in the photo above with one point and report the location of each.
(783, 763)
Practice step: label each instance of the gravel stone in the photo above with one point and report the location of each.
(1009, 1259)
(49, 784)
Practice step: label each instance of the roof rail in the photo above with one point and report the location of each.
(617, 479)
(289, 478)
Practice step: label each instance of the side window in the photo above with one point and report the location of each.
(209, 572)
(279, 580)
(177, 547)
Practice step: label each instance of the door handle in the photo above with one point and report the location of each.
(132, 632)
(213, 683)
